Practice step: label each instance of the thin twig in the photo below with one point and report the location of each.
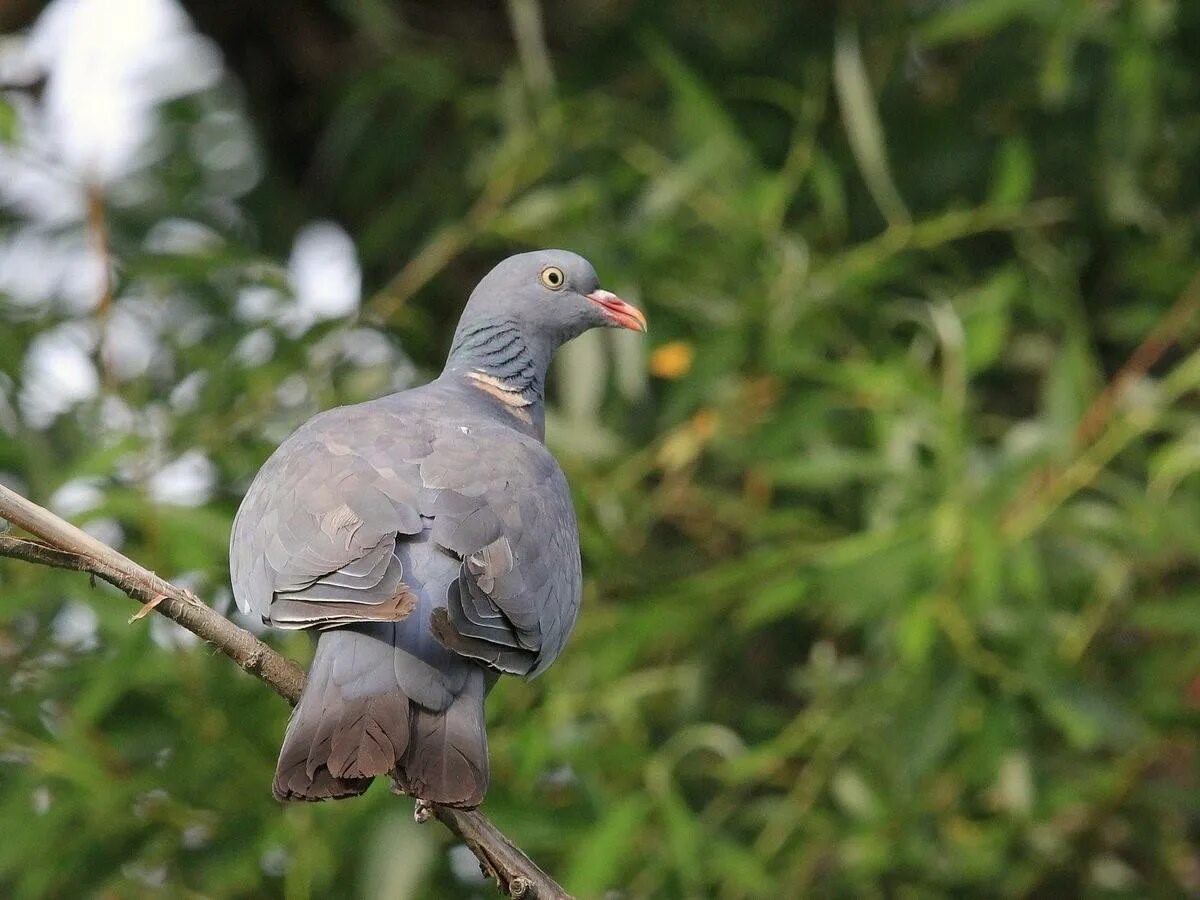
(1160, 339)
(440, 250)
(90, 555)
(1049, 480)
(64, 546)
(503, 184)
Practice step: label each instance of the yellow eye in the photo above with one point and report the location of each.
(553, 278)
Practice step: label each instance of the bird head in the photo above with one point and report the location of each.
(552, 296)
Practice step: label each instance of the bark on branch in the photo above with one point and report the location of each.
(64, 546)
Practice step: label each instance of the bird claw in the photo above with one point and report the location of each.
(422, 811)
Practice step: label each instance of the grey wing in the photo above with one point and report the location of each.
(314, 543)
(517, 594)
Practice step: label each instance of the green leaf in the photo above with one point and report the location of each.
(603, 851)
(8, 122)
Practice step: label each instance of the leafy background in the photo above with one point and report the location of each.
(886, 593)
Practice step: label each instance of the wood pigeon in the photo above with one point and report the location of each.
(428, 540)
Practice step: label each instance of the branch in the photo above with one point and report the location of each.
(71, 548)
(68, 547)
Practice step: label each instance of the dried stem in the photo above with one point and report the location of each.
(64, 546)
(97, 227)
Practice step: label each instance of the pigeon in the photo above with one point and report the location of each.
(427, 539)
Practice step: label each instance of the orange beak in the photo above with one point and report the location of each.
(618, 312)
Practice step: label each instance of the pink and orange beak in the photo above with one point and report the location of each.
(618, 312)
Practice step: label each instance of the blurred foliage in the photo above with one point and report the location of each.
(866, 614)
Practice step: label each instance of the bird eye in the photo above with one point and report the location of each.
(553, 278)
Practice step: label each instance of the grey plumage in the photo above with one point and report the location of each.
(428, 538)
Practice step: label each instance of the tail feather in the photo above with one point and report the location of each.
(355, 721)
(373, 734)
(447, 758)
(334, 749)
(293, 783)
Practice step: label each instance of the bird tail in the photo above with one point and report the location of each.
(354, 721)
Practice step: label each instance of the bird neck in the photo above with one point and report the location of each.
(497, 359)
